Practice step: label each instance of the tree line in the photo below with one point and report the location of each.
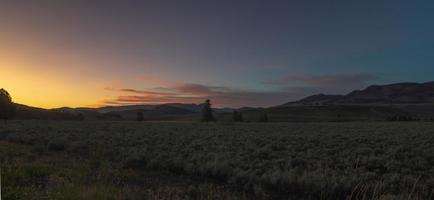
(237, 116)
(7, 107)
(208, 116)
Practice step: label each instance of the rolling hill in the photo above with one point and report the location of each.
(375, 103)
(398, 93)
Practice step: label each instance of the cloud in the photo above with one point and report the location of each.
(142, 92)
(197, 93)
(289, 88)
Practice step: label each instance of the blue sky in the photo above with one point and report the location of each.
(240, 52)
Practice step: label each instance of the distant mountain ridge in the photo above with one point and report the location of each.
(107, 109)
(376, 102)
(316, 99)
(28, 112)
(166, 111)
(189, 107)
(398, 93)
(412, 93)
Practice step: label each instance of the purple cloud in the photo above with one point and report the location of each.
(291, 87)
(197, 93)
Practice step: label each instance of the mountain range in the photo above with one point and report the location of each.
(398, 93)
(376, 102)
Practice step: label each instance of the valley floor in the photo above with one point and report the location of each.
(174, 160)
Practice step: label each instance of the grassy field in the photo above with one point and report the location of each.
(170, 160)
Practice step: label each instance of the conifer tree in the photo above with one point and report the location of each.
(207, 115)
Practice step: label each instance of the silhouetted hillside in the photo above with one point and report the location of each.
(171, 110)
(398, 93)
(107, 109)
(375, 103)
(315, 100)
(190, 107)
(28, 112)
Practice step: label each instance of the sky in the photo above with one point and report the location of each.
(56, 53)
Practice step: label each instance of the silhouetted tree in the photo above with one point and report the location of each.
(140, 116)
(207, 112)
(263, 117)
(7, 107)
(237, 116)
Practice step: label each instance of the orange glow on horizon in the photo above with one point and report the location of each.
(44, 74)
(40, 88)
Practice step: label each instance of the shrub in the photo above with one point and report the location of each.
(57, 145)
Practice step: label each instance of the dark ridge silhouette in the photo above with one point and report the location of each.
(398, 93)
(375, 103)
(318, 99)
(188, 107)
(28, 112)
(170, 109)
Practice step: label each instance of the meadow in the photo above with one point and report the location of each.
(188, 160)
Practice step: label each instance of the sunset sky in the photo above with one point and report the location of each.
(235, 52)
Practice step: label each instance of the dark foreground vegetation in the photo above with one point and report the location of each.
(138, 160)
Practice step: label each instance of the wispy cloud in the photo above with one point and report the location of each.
(197, 93)
(289, 88)
(142, 92)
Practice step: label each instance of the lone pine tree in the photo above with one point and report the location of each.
(207, 115)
